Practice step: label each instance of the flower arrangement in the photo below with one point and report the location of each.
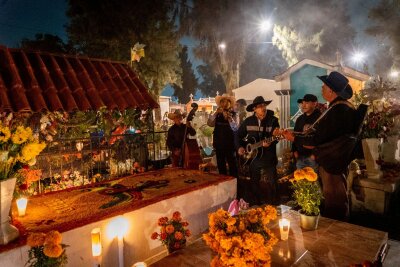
(242, 240)
(379, 120)
(26, 178)
(46, 250)
(173, 232)
(307, 191)
(18, 147)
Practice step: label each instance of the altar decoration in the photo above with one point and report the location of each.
(173, 232)
(242, 240)
(307, 194)
(18, 147)
(46, 250)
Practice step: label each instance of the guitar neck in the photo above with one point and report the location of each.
(267, 139)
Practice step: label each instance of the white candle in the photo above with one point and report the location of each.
(140, 264)
(284, 226)
(120, 251)
(21, 204)
(96, 247)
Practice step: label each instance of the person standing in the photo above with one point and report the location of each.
(337, 121)
(263, 175)
(303, 155)
(176, 135)
(225, 127)
(240, 109)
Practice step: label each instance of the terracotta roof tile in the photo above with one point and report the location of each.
(35, 81)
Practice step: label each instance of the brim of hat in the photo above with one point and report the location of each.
(230, 98)
(250, 107)
(172, 116)
(347, 93)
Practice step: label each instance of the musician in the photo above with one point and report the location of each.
(176, 134)
(240, 109)
(339, 120)
(224, 122)
(263, 176)
(303, 155)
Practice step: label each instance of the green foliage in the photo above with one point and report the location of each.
(308, 196)
(211, 82)
(189, 80)
(48, 43)
(37, 258)
(108, 29)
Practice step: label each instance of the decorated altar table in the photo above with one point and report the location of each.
(141, 199)
(334, 243)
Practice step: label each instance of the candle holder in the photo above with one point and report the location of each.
(21, 204)
(284, 226)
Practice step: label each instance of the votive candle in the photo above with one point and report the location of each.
(21, 204)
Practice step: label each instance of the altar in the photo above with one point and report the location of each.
(334, 243)
(141, 199)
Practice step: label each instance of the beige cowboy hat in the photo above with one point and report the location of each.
(218, 99)
(175, 114)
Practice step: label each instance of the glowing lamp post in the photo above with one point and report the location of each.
(118, 227)
(96, 246)
(21, 204)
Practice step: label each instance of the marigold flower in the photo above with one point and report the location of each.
(299, 175)
(163, 236)
(52, 250)
(162, 221)
(53, 237)
(188, 233)
(36, 239)
(169, 229)
(184, 224)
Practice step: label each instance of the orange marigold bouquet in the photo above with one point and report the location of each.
(307, 191)
(173, 232)
(46, 250)
(241, 240)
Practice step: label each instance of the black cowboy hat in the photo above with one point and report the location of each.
(338, 83)
(258, 100)
(308, 98)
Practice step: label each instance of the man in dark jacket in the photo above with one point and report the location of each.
(304, 156)
(338, 120)
(176, 136)
(257, 128)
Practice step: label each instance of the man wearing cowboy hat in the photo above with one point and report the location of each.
(339, 120)
(304, 156)
(225, 127)
(260, 125)
(176, 134)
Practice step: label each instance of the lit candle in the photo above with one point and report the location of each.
(79, 146)
(284, 226)
(118, 227)
(21, 204)
(140, 264)
(96, 246)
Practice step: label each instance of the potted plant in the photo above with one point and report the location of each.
(173, 232)
(307, 194)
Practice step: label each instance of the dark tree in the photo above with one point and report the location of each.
(47, 43)
(211, 82)
(109, 28)
(189, 80)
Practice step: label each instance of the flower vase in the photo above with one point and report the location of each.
(371, 154)
(308, 222)
(389, 149)
(8, 232)
(172, 249)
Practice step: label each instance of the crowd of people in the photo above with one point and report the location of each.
(248, 135)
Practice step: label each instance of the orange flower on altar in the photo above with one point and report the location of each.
(36, 239)
(173, 231)
(53, 237)
(243, 240)
(52, 250)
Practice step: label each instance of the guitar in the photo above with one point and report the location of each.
(252, 149)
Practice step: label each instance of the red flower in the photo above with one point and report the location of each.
(23, 186)
(26, 167)
(163, 236)
(176, 216)
(177, 245)
(154, 235)
(162, 221)
(184, 224)
(187, 232)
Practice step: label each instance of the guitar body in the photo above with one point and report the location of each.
(192, 158)
(251, 152)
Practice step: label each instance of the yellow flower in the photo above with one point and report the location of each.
(52, 250)
(5, 134)
(53, 237)
(36, 239)
(21, 135)
(31, 150)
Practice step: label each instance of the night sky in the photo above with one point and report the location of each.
(24, 18)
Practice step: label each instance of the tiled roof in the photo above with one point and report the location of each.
(36, 81)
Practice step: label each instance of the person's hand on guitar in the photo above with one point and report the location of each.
(288, 135)
(266, 143)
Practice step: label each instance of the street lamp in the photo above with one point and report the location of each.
(358, 57)
(265, 25)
